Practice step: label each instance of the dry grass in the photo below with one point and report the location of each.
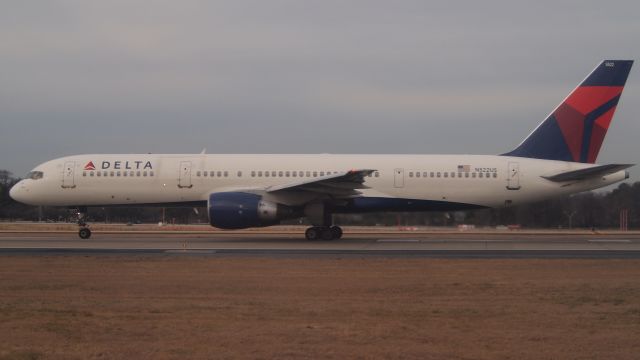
(79, 307)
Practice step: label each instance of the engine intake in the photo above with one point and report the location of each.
(239, 210)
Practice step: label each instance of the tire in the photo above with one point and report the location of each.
(84, 233)
(312, 233)
(326, 233)
(337, 232)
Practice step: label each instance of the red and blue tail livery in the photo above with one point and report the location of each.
(576, 128)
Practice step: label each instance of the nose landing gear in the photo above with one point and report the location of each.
(84, 231)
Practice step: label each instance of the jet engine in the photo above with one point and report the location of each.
(239, 210)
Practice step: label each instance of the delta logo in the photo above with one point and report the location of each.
(90, 166)
(121, 165)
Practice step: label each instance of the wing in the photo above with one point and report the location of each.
(595, 171)
(340, 185)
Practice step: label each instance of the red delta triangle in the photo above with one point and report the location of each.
(585, 99)
(597, 134)
(571, 124)
(90, 166)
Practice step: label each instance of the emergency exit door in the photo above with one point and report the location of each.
(398, 178)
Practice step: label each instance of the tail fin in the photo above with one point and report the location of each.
(576, 128)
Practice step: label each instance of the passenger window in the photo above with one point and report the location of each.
(417, 173)
(410, 173)
(84, 173)
(322, 173)
(118, 173)
(239, 173)
(460, 175)
(131, 173)
(315, 173)
(144, 173)
(138, 173)
(226, 174)
(266, 174)
(446, 174)
(294, 173)
(479, 175)
(124, 173)
(495, 175)
(287, 174)
(205, 173)
(431, 174)
(198, 173)
(377, 174)
(212, 174)
(259, 173)
(219, 174)
(473, 175)
(438, 174)
(99, 173)
(301, 173)
(91, 174)
(308, 173)
(466, 175)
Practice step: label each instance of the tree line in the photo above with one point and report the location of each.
(584, 210)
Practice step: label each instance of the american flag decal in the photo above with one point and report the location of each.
(464, 168)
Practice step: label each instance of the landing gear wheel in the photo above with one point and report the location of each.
(323, 233)
(312, 233)
(84, 233)
(326, 234)
(336, 231)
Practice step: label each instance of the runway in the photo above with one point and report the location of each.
(619, 246)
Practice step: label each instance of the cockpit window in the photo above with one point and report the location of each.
(35, 175)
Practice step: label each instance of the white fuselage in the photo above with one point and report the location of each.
(119, 179)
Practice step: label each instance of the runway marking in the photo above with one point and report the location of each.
(180, 251)
(398, 240)
(609, 241)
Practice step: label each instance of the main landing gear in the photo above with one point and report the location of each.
(84, 231)
(323, 233)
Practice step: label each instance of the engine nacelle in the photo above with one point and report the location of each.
(239, 210)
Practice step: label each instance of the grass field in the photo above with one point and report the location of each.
(162, 307)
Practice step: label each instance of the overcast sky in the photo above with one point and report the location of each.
(301, 76)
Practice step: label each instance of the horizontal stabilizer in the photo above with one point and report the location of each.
(600, 170)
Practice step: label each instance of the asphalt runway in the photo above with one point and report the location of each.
(432, 245)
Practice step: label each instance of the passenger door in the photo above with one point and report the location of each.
(184, 177)
(513, 179)
(68, 175)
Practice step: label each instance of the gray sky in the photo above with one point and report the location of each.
(301, 76)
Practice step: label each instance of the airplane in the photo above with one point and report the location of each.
(248, 190)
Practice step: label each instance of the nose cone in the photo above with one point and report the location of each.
(17, 192)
